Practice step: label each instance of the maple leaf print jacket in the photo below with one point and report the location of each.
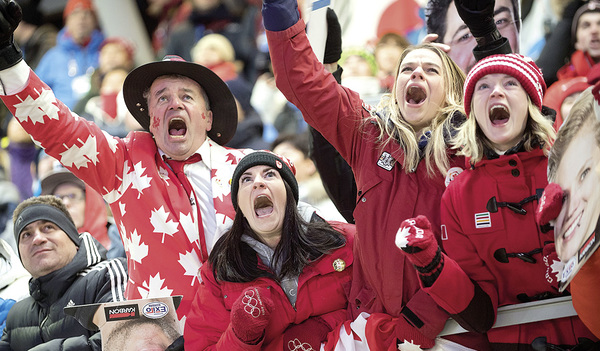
(156, 221)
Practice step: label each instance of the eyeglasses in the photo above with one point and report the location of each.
(72, 197)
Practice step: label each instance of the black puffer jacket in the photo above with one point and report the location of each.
(39, 323)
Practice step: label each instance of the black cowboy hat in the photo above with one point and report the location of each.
(222, 103)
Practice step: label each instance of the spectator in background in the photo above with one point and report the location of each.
(360, 73)
(562, 94)
(66, 269)
(387, 52)
(585, 33)
(115, 52)
(234, 19)
(67, 68)
(215, 52)
(33, 36)
(14, 279)
(102, 108)
(9, 199)
(444, 20)
(310, 187)
(86, 207)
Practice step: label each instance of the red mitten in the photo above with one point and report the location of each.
(553, 264)
(417, 240)
(306, 336)
(550, 205)
(250, 314)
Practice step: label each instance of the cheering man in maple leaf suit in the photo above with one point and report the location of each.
(169, 213)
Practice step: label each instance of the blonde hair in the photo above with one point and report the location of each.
(471, 141)
(393, 126)
(217, 42)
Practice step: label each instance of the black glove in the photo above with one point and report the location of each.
(478, 15)
(333, 45)
(10, 16)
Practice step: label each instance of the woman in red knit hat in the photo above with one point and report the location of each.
(496, 252)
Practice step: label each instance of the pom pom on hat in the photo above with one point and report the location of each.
(518, 66)
(283, 165)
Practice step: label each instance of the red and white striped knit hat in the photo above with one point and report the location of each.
(521, 67)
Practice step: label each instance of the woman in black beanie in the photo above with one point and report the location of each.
(272, 279)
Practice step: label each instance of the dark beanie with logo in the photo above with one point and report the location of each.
(44, 212)
(284, 166)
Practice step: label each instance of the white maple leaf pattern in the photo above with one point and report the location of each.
(115, 194)
(46, 101)
(154, 288)
(557, 268)
(409, 346)
(136, 248)
(125, 240)
(161, 223)
(191, 263)
(111, 140)
(76, 156)
(122, 208)
(139, 181)
(29, 109)
(221, 182)
(189, 227)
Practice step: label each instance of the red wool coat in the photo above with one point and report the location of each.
(474, 235)
(384, 280)
(321, 292)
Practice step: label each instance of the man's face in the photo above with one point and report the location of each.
(179, 119)
(74, 199)
(588, 34)
(45, 248)
(462, 42)
(80, 24)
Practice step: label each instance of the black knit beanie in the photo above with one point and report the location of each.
(49, 213)
(283, 165)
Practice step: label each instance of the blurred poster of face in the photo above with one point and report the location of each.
(578, 174)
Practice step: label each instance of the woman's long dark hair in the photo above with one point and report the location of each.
(301, 242)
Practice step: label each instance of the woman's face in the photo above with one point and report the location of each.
(500, 107)
(578, 176)
(420, 87)
(262, 199)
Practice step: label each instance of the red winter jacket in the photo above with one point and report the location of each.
(478, 237)
(384, 281)
(579, 66)
(322, 291)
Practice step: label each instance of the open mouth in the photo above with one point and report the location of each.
(499, 114)
(177, 127)
(415, 95)
(263, 206)
(574, 225)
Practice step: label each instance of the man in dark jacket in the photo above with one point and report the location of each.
(67, 269)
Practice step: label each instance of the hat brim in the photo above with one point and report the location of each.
(221, 100)
(49, 183)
